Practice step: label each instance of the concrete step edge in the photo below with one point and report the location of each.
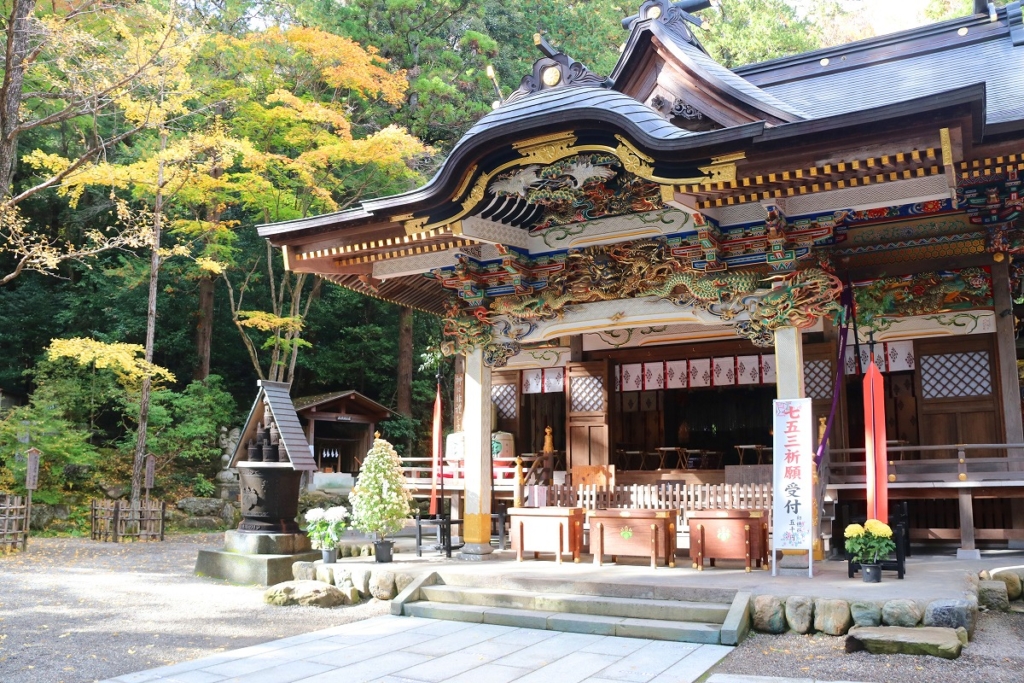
(443, 589)
(629, 627)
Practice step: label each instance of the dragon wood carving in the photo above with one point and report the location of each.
(647, 268)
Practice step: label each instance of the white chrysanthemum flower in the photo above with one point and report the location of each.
(336, 514)
(314, 515)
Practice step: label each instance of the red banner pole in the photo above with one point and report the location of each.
(436, 455)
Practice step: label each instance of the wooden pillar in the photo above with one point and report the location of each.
(1006, 350)
(476, 428)
(576, 348)
(789, 363)
(789, 383)
(967, 550)
(459, 391)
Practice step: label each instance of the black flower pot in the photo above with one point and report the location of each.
(872, 573)
(382, 550)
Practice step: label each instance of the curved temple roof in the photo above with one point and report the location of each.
(967, 73)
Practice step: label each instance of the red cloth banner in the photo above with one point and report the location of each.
(875, 454)
(437, 454)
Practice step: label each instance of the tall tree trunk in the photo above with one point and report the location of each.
(10, 93)
(147, 380)
(204, 328)
(405, 361)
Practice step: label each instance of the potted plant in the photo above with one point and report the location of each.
(324, 528)
(380, 499)
(866, 544)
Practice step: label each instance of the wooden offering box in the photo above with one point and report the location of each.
(650, 533)
(547, 530)
(729, 535)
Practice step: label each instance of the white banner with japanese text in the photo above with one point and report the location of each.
(793, 508)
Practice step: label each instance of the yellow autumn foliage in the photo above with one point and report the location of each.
(343, 63)
(125, 360)
(268, 322)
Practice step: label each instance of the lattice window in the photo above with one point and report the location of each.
(587, 394)
(504, 397)
(956, 375)
(818, 379)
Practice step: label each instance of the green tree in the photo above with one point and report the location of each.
(747, 31)
(64, 448)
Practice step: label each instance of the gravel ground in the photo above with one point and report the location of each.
(996, 655)
(73, 610)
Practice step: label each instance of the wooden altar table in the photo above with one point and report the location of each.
(555, 530)
(634, 532)
(728, 535)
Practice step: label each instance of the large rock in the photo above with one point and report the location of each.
(886, 640)
(42, 515)
(1012, 581)
(349, 592)
(325, 573)
(382, 584)
(201, 507)
(361, 580)
(210, 523)
(901, 612)
(304, 571)
(832, 616)
(866, 614)
(306, 593)
(231, 515)
(769, 616)
(992, 595)
(951, 614)
(402, 582)
(800, 613)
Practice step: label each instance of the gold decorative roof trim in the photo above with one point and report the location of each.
(883, 163)
(376, 244)
(827, 186)
(401, 253)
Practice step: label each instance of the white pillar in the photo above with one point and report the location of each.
(789, 363)
(476, 428)
(789, 383)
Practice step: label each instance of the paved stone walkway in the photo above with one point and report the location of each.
(411, 650)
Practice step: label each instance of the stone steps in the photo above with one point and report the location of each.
(606, 609)
(597, 605)
(654, 629)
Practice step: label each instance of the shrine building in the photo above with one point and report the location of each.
(643, 260)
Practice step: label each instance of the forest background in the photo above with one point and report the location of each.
(141, 143)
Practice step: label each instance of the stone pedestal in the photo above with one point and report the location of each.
(256, 558)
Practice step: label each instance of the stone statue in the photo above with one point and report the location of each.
(227, 478)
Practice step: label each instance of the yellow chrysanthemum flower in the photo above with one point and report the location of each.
(877, 528)
(854, 531)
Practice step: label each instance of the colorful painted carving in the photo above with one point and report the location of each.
(579, 188)
(922, 294)
(471, 329)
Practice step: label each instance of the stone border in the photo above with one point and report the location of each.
(834, 616)
(999, 589)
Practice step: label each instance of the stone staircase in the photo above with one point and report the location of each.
(629, 610)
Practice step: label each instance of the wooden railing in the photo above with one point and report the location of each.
(13, 523)
(942, 470)
(417, 471)
(115, 520)
(684, 497)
